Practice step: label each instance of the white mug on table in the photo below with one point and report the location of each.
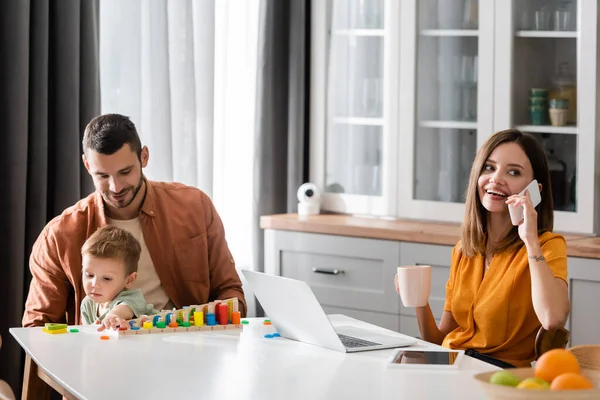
(414, 285)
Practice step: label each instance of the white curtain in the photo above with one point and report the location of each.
(184, 71)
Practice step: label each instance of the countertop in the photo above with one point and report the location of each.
(401, 230)
(238, 365)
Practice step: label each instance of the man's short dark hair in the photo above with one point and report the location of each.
(107, 133)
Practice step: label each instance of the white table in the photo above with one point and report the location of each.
(234, 365)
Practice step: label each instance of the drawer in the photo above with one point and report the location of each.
(387, 321)
(347, 272)
(438, 257)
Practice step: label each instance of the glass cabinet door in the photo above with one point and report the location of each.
(541, 46)
(447, 78)
(544, 98)
(360, 74)
(451, 84)
(355, 98)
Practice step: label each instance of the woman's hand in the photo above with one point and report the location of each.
(396, 284)
(528, 227)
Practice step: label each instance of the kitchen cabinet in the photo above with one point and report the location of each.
(584, 292)
(355, 276)
(403, 93)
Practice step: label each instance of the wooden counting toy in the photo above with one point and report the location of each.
(216, 315)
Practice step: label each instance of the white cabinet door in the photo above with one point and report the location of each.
(354, 97)
(546, 61)
(584, 291)
(446, 102)
(347, 272)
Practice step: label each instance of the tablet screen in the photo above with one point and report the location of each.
(425, 357)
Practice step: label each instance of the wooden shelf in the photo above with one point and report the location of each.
(569, 129)
(450, 32)
(547, 34)
(449, 124)
(358, 121)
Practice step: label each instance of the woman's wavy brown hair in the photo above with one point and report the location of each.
(474, 229)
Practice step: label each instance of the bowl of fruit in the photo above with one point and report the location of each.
(557, 375)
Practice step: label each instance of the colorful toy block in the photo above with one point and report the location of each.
(55, 329)
(144, 331)
(195, 318)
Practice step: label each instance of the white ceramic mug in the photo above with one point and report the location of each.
(414, 282)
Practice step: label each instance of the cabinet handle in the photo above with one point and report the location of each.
(334, 271)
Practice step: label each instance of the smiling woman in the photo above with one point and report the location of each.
(505, 281)
(503, 167)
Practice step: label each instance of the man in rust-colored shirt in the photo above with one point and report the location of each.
(185, 258)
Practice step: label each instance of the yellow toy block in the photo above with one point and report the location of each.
(53, 326)
(54, 331)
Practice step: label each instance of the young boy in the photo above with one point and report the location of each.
(110, 261)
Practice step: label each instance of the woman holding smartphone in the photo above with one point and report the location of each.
(505, 280)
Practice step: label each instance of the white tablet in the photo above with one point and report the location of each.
(426, 359)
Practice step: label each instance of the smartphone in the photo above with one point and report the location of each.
(516, 213)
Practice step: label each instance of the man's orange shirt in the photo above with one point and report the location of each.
(495, 315)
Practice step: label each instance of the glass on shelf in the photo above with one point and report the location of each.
(545, 75)
(448, 14)
(546, 15)
(358, 14)
(355, 85)
(353, 159)
(447, 79)
(443, 163)
(565, 88)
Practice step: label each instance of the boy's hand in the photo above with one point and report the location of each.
(111, 321)
(118, 316)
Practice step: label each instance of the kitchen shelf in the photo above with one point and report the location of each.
(359, 32)
(569, 129)
(358, 121)
(449, 124)
(547, 34)
(450, 32)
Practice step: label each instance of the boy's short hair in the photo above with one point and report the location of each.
(116, 244)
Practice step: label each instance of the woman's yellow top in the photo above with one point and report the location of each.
(494, 312)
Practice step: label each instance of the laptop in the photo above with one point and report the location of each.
(296, 313)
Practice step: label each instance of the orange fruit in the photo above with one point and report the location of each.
(570, 381)
(555, 362)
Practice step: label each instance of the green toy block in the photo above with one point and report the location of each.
(55, 327)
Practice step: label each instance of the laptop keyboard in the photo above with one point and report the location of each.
(351, 342)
